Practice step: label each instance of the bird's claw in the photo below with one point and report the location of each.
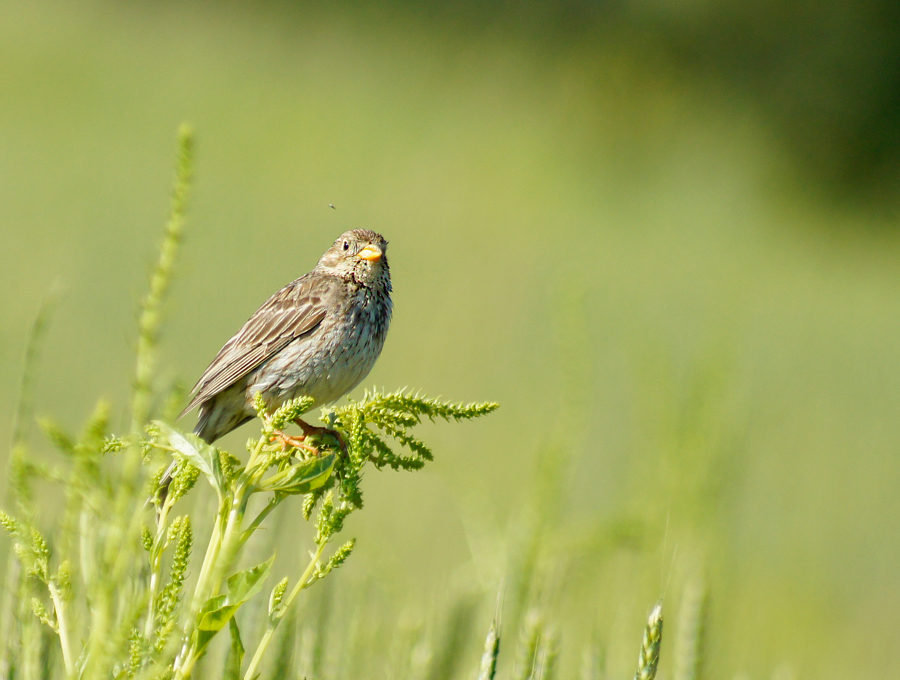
(309, 430)
(287, 440)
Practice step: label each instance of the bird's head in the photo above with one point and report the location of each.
(360, 254)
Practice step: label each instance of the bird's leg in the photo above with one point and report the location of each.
(287, 440)
(296, 442)
(309, 430)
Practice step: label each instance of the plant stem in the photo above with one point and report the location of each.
(151, 607)
(231, 538)
(275, 618)
(149, 323)
(254, 525)
(212, 552)
(185, 670)
(226, 539)
(62, 623)
(156, 565)
(219, 533)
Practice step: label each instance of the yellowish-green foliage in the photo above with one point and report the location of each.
(110, 583)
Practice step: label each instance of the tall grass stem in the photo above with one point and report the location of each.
(160, 281)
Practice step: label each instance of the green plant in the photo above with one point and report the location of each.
(112, 589)
(110, 580)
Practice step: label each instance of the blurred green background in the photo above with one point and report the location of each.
(662, 236)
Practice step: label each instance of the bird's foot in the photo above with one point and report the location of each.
(287, 440)
(311, 430)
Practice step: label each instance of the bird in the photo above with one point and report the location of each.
(317, 337)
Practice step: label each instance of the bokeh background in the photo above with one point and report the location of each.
(662, 235)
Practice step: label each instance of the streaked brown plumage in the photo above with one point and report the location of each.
(319, 336)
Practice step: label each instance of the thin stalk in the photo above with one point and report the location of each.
(302, 584)
(151, 608)
(221, 542)
(160, 280)
(254, 525)
(128, 515)
(212, 552)
(24, 408)
(217, 539)
(185, 671)
(232, 538)
(10, 634)
(65, 639)
(156, 565)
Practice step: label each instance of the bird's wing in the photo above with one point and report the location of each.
(293, 311)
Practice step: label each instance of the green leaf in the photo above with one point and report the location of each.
(245, 584)
(235, 653)
(302, 477)
(200, 454)
(219, 610)
(215, 613)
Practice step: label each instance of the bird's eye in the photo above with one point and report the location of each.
(346, 245)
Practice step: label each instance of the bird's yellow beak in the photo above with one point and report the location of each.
(370, 253)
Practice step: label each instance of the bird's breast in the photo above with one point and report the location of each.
(334, 358)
